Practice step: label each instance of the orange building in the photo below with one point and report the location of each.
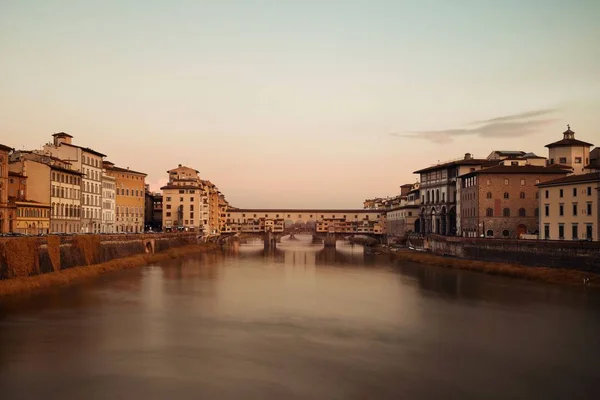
(7, 213)
(130, 198)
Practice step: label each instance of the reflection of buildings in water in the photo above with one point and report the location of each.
(330, 255)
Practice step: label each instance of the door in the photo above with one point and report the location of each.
(521, 230)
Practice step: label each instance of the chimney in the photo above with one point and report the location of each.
(179, 165)
(468, 156)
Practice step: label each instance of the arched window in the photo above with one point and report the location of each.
(489, 195)
(522, 195)
(522, 212)
(489, 212)
(506, 196)
(437, 195)
(62, 192)
(506, 212)
(489, 233)
(428, 196)
(443, 197)
(505, 233)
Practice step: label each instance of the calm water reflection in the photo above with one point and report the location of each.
(301, 323)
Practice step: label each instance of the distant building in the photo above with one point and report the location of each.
(570, 151)
(183, 204)
(516, 157)
(7, 213)
(109, 203)
(31, 217)
(570, 207)
(403, 217)
(130, 198)
(154, 210)
(502, 201)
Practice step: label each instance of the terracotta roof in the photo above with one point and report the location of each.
(62, 134)
(522, 169)
(125, 170)
(12, 173)
(300, 210)
(5, 148)
(181, 187)
(68, 171)
(86, 149)
(568, 142)
(591, 177)
(471, 161)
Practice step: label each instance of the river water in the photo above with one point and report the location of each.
(302, 322)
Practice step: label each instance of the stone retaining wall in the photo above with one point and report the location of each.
(27, 256)
(584, 256)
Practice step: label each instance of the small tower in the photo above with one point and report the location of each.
(569, 152)
(62, 137)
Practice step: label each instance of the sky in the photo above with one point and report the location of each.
(299, 104)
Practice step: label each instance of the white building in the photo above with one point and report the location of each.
(89, 162)
(185, 201)
(108, 203)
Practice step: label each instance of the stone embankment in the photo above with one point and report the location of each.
(563, 263)
(29, 263)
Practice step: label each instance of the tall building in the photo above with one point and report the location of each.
(185, 207)
(109, 195)
(570, 151)
(210, 202)
(403, 217)
(440, 194)
(7, 213)
(570, 207)
(130, 198)
(502, 201)
(88, 162)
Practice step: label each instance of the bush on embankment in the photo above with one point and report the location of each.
(25, 284)
(542, 274)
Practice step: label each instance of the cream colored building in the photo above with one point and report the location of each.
(130, 187)
(570, 207)
(108, 203)
(88, 162)
(570, 151)
(185, 201)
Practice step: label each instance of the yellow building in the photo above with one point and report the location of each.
(33, 218)
(569, 207)
(130, 189)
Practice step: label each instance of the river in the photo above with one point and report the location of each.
(302, 322)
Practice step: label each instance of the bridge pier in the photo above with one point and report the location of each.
(270, 240)
(330, 240)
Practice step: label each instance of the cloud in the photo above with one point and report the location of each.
(508, 126)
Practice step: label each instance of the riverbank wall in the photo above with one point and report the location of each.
(582, 256)
(31, 256)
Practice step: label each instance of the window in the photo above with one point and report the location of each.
(522, 182)
(537, 212)
(546, 194)
(192, 191)
(562, 160)
(168, 206)
(561, 231)
(168, 199)
(546, 231)
(589, 190)
(522, 195)
(589, 208)
(489, 233)
(514, 163)
(192, 198)
(181, 191)
(506, 212)
(547, 210)
(505, 233)
(588, 231)
(577, 160)
(186, 222)
(574, 231)
(191, 207)
(537, 195)
(127, 191)
(506, 196)
(181, 199)
(561, 210)
(506, 181)
(168, 213)
(489, 195)
(489, 182)
(489, 212)
(574, 192)
(192, 215)
(552, 161)
(560, 193)
(574, 209)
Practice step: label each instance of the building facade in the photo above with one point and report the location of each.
(7, 213)
(109, 195)
(570, 208)
(130, 198)
(184, 201)
(89, 163)
(440, 194)
(153, 210)
(570, 152)
(502, 201)
(403, 218)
